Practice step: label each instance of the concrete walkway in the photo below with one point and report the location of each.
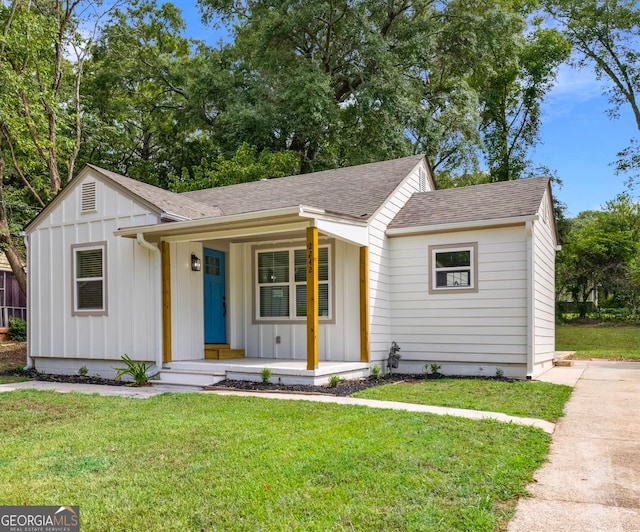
(592, 479)
(146, 392)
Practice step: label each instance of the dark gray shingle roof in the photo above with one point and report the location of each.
(354, 191)
(163, 200)
(492, 201)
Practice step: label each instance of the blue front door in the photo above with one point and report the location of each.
(215, 303)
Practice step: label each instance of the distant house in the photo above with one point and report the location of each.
(309, 275)
(12, 301)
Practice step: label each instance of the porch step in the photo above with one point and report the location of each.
(190, 377)
(562, 359)
(221, 352)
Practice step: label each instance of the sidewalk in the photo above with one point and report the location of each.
(592, 479)
(146, 392)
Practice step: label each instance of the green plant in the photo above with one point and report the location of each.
(17, 329)
(83, 371)
(334, 380)
(375, 372)
(432, 368)
(499, 373)
(266, 374)
(136, 370)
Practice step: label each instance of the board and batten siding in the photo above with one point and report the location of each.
(467, 333)
(187, 302)
(338, 341)
(62, 342)
(544, 288)
(380, 282)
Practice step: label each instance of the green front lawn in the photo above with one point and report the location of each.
(599, 341)
(6, 379)
(207, 462)
(540, 400)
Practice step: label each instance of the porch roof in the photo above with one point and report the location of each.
(242, 226)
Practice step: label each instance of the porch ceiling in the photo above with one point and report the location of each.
(243, 227)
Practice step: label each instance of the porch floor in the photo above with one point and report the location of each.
(202, 372)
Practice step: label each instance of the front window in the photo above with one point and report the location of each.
(89, 279)
(282, 284)
(453, 268)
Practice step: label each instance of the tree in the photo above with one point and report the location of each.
(511, 96)
(134, 95)
(606, 35)
(599, 252)
(39, 106)
(349, 82)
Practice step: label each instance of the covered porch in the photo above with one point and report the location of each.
(324, 327)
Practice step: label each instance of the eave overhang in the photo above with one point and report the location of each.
(460, 226)
(255, 224)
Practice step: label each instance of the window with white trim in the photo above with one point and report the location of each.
(281, 292)
(89, 279)
(453, 268)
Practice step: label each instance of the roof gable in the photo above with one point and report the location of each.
(356, 191)
(492, 201)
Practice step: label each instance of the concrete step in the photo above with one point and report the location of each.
(562, 359)
(563, 363)
(190, 378)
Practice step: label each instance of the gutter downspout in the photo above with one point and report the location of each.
(156, 252)
(29, 365)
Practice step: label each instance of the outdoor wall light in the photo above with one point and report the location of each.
(195, 263)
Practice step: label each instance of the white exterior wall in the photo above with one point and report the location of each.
(187, 303)
(544, 256)
(339, 341)
(469, 333)
(131, 325)
(380, 282)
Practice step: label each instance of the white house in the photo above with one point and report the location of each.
(310, 275)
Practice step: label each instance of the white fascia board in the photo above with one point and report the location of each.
(350, 233)
(202, 223)
(476, 224)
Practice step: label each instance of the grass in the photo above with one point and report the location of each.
(599, 341)
(6, 379)
(206, 462)
(540, 400)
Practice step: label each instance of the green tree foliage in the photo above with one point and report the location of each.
(39, 109)
(350, 82)
(600, 254)
(134, 95)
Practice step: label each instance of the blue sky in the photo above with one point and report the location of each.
(578, 140)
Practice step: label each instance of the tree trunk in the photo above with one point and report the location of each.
(6, 239)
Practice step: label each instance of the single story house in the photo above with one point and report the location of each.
(310, 275)
(13, 303)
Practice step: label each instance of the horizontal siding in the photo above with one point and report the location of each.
(544, 289)
(487, 327)
(130, 326)
(380, 281)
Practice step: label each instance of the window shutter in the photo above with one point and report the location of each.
(88, 197)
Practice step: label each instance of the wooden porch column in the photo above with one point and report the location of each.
(364, 304)
(312, 298)
(166, 302)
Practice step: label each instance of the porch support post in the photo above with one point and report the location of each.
(312, 298)
(364, 304)
(166, 302)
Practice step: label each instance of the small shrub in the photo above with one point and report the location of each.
(17, 329)
(432, 368)
(265, 374)
(334, 380)
(136, 370)
(376, 372)
(499, 373)
(83, 371)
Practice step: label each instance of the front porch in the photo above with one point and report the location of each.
(205, 372)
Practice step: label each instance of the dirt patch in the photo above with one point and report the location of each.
(13, 355)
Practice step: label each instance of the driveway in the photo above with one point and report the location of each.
(592, 479)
